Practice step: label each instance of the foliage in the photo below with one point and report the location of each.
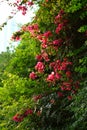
(5, 57)
(51, 54)
(24, 56)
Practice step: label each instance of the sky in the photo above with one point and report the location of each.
(12, 24)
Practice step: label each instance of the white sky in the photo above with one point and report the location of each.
(12, 24)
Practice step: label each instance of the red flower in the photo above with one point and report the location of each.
(58, 76)
(39, 57)
(59, 28)
(57, 42)
(45, 56)
(30, 3)
(43, 45)
(47, 34)
(51, 77)
(32, 75)
(18, 118)
(28, 111)
(17, 38)
(40, 67)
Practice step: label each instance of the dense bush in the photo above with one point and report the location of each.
(45, 81)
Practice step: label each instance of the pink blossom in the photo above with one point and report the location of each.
(40, 67)
(57, 42)
(47, 34)
(59, 28)
(58, 76)
(45, 56)
(30, 27)
(51, 77)
(39, 57)
(30, 3)
(44, 40)
(24, 12)
(32, 75)
(19, 7)
(28, 112)
(17, 38)
(43, 45)
(57, 19)
(40, 37)
(17, 118)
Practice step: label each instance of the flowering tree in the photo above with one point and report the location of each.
(53, 80)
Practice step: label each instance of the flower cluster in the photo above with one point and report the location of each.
(23, 7)
(60, 21)
(32, 75)
(55, 68)
(60, 69)
(20, 117)
(40, 67)
(15, 38)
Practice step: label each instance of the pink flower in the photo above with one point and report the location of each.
(40, 67)
(30, 27)
(24, 12)
(39, 57)
(59, 28)
(45, 56)
(57, 19)
(47, 34)
(17, 38)
(28, 111)
(57, 42)
(19, 7)
(18, 118)
(51, 77)
(30, 3)
(43, 45)
(32, 75)
(58, 76)
(44, 40)
(40, 37)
